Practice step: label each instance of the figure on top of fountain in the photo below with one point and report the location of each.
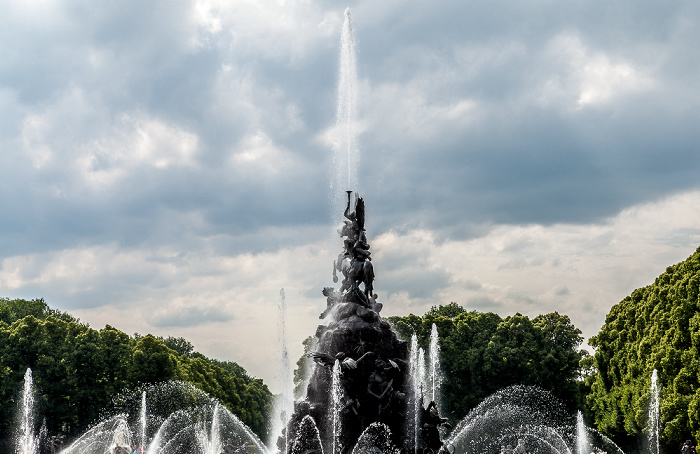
(356, 244)
(355, 261)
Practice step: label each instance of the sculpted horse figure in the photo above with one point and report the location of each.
(355, 272)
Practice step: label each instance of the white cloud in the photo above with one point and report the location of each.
(136, 142)
(76, 133)
(260, 156)
(276, 30)
(591, 77)
(32, 138)
(409, 111)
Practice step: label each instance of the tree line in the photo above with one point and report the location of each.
(78, 370)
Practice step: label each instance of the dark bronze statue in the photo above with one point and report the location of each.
(355, 261)
(373, 372)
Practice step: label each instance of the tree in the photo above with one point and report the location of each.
(152, 362)
(180, 345)
(656, 327)
(482, 353)
(13, 310)
(78, 370)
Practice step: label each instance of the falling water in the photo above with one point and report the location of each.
(654, 415)
(142, 420)
(215, 437)
(43, 433)
(285, 405)
(337, 396)
(27, 443)
(435, 378)
(346, 154)
(421, 371)
(209, 442)
(417, 373)
(307, 438)
(582, 443)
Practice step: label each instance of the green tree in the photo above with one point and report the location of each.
(16, 309)
(656, 327)
(152, 362)
(180, 345)
(78, 370)
(482, 353)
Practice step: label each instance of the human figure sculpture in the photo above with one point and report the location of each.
(379, 387)
(688, 448)
(332, 297)
(374, 304)
(431, 422)
(355, 262)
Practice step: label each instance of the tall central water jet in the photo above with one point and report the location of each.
(346, 153)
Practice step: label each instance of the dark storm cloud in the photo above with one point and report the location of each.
(472, 110)
(91, 67)
(528, 159)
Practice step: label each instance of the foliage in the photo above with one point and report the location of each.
(77, 370)
(181, 345)
(482, 353)
(656, 327)
(13, 310)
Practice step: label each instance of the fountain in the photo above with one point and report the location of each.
(373, 380)
(435, 377)
(182, 419)
(143, 418)
(27, 442)
(345, 147)
(582, 443)
(653, 435)
(284, 402)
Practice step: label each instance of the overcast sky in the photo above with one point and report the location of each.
(165, 165)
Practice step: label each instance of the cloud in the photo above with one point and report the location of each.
(189, 316)
(591, 77)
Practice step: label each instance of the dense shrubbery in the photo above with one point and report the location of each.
(78, 369)
(656, 327)
(482, 353)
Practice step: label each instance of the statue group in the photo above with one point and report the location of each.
(372, 363)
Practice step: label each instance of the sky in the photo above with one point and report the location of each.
(165, 166)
